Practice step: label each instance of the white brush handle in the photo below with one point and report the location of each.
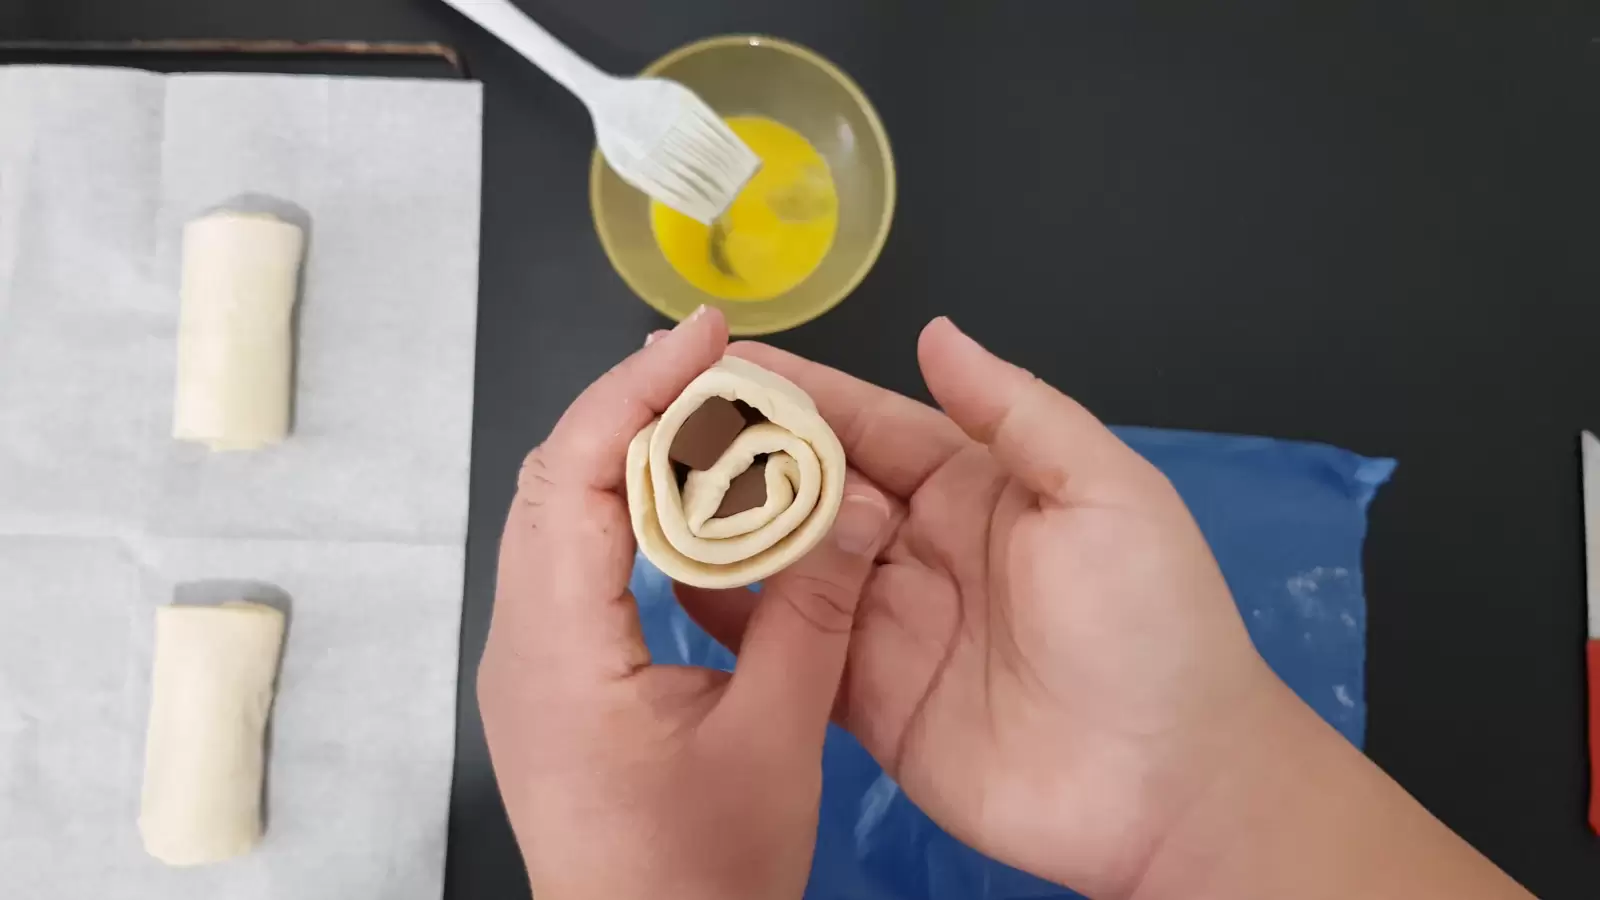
(540, 47)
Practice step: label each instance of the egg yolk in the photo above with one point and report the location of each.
(776, 232)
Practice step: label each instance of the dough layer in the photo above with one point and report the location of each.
(805, 473)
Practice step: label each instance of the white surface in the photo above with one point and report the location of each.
(658, 135)
(358, 521)
(1591, 527)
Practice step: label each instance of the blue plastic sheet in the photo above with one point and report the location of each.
(1286, 521)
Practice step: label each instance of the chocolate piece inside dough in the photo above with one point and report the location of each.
(706, 433)
(752, 416)
(747, 490)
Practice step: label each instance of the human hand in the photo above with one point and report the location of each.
(1047, 658)
(626, 779)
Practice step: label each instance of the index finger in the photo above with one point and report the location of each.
(892, 439)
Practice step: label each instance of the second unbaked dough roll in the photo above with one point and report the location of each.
(235, 340)
(675, 519)
(210, 694)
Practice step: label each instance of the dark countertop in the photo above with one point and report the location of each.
(1372, 224)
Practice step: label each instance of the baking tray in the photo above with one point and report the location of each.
(324, 57)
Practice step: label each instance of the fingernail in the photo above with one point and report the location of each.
(699, 311)
(860, 527)
(656, 335)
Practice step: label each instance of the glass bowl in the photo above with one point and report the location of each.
(746, 75)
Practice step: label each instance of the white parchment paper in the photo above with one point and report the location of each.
(356, 524)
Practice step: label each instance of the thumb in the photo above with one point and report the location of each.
(792, 656)
(1044, 438)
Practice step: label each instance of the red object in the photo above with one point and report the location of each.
(1594, 735)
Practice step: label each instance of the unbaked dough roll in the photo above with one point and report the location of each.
(235, 347)
(204, 755)
(783, 461)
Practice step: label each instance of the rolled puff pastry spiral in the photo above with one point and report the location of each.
(678, 528)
